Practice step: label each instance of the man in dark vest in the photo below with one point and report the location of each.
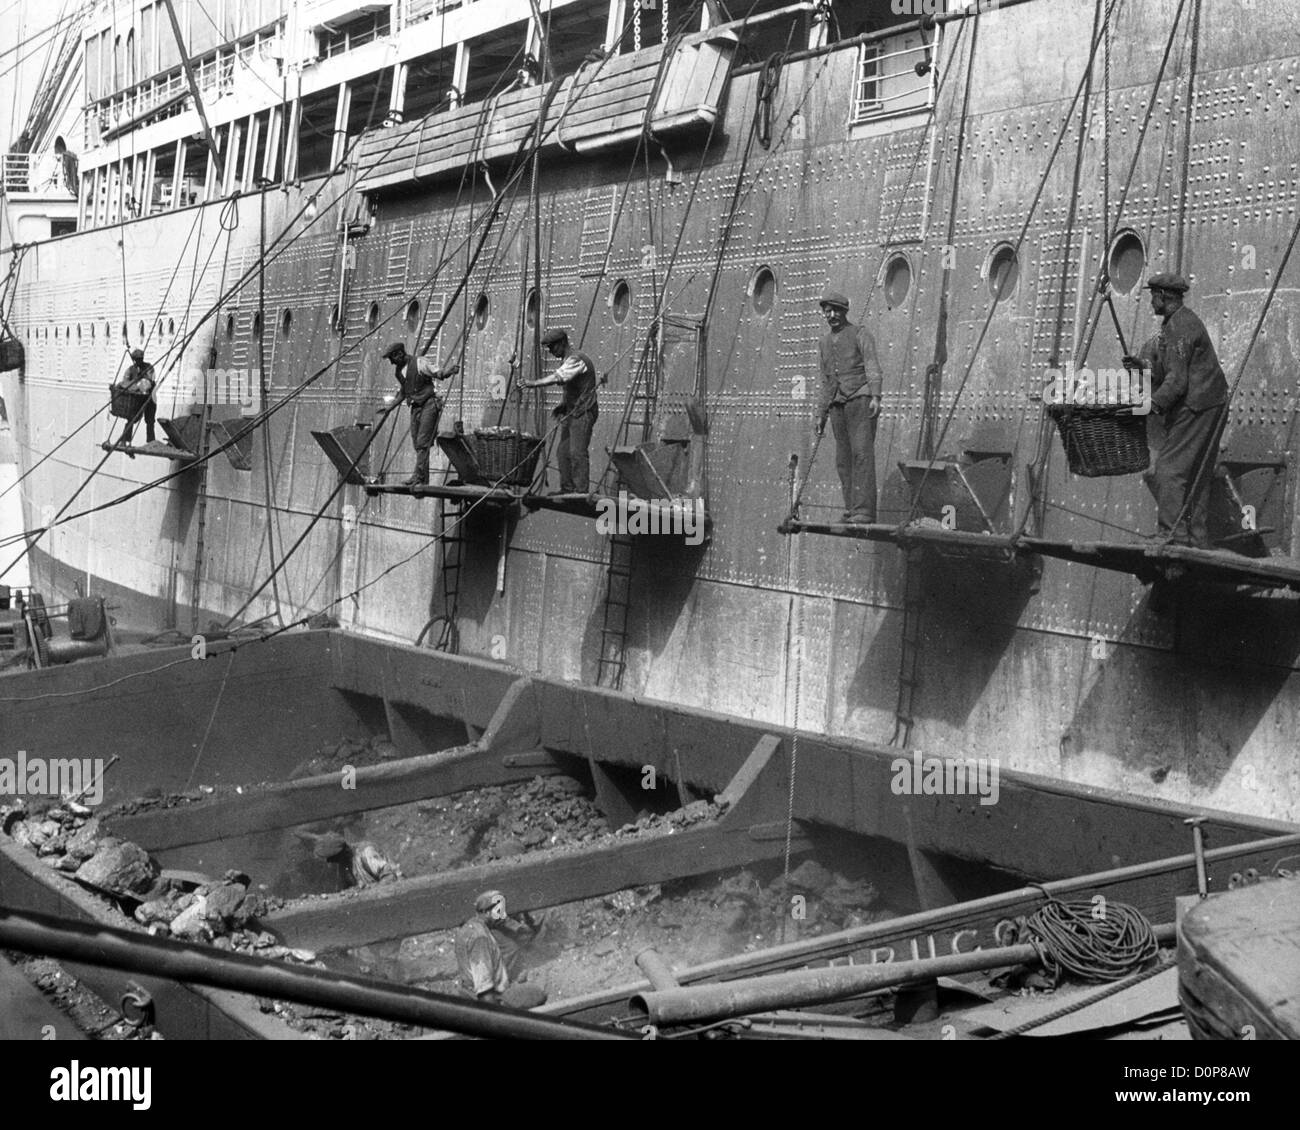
(1191, 398)
(851, 384)
(415, 377)
(139, 379)
(577, 410)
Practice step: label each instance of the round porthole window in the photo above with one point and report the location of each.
(530, 308)
(413, 314)
(141, 333)
(372, 316)
(335, 317)
(620, 302)
(1126, 261)
(1003, 271)
(126, 335)
(762, 290)
(230, 327)
(171, 326)
(257, 324)
(897, 279)
(286, 323)
(481, 310)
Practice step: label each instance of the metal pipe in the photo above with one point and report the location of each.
(657, 971)
(703, 1003)
(93, 944)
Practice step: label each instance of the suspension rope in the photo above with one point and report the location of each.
(1189, 119)
(925, 445)
(1020, 239)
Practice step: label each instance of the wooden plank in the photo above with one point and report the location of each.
(547, 878)
(26, 1014)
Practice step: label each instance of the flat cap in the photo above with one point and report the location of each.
(137, 355)
(1168, 281)
(487, 900)
(394, 349)
(834, 298)
(554, 337)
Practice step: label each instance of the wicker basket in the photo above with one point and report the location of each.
(11, 354)
(126, 405)
(506, 456)
(1102, 440)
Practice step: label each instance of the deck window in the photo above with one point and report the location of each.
(888, 82)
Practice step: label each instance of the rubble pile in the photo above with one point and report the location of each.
(222, 912)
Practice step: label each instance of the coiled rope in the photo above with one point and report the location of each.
(1093, 941)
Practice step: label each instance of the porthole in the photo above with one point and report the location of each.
(230, 327)
(372, 316)
(67, 332)
(160, 327)
(142, 338)
(530, 308)
(481, 310)
(257, 324)
(78, 331)
(762, 290)
(171, 327)
(126, 335)
(92, 331)
(413, 314)
(1126, 262)
(620, 302)
(108, 332)
(1003, 271)
(286, 323)
(897, 279)
(335, 318)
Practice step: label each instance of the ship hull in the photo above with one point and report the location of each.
(1067, 671)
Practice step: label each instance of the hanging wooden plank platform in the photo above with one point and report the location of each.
(469, 492)
(157, 448)
(1148, 561)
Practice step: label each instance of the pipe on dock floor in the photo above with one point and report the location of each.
(695, 1004)
(48, 936)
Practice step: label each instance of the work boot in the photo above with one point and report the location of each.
(416, 481)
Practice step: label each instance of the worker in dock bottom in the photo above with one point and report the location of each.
(1191, 399)
(577, 410)
(139, 379)
(360, 864)
(851, 386)
(489, 952)
(415, 377)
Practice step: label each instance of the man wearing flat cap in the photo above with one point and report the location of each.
(139, 379)
(577, 410)
(851, 383)
(488, 957)
(1191, 398)
(415, 377)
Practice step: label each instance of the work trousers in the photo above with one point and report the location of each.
(855, 456)
(424, 427)
(150, 413)
(575, 463)
(1191, 440)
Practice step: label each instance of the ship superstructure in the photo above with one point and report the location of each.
(677, 187)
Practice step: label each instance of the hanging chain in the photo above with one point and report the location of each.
(636, 28)
(663, 21)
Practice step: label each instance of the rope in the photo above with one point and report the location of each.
(925, 445)
(1020, 239)
(1073, 937)
(1088, 1002)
